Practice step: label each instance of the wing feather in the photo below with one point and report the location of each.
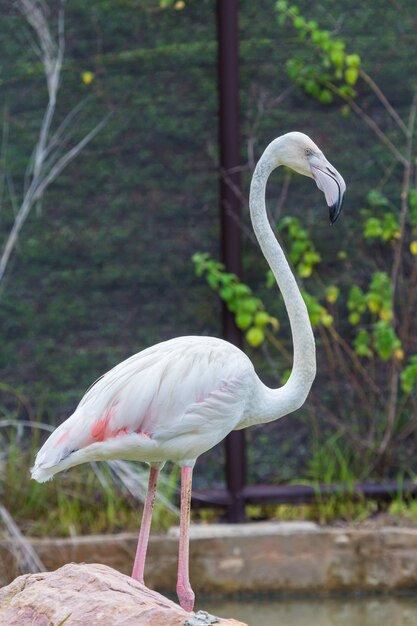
(155, 388)
(185, 395)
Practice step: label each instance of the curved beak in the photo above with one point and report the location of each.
(330, 182)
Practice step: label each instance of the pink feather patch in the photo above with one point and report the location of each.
(100, 427)
(62, 438)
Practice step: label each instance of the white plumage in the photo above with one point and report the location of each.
(179, 398)
(172, 401)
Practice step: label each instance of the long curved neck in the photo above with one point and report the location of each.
(277, 402)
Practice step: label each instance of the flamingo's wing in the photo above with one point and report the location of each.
(178, 393)
(153, 390)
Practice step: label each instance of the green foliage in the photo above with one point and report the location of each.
(409, 375)
(356, 304)
(379, 296)
(333, 464)
(381, 223)
(404, 508)
(385, 339)
(332, 293)
(384, 229)
(318, 314)
(376, 198)
(378, 302)
(334, 70)
(305, 257)
(301, 251)
(248, 310)
(362, 343)
(250, 314)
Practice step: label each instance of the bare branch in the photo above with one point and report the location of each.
(47, 160)
(408, 166)
(35, 12)
(393, 381)
(36, 190)
(384, 101)
(371, 123)
(67, 158)
(26, 556)
(3, 152)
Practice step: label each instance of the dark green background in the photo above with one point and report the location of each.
(103, 266)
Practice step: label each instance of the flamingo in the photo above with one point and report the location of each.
(179, 398)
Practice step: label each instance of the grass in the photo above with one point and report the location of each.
(329, 465)
(332, 465)
(88, 499)
(107, 497)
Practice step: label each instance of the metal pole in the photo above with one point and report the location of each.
(227, 27)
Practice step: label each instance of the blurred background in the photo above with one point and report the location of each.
(109, 218)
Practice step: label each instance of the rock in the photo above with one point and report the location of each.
(83, 594)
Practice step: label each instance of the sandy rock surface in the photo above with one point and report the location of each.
(83, 594)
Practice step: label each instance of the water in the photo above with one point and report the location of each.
(347, 611)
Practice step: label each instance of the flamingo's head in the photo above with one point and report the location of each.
(301, 154)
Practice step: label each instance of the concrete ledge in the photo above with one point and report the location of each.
(271, 557)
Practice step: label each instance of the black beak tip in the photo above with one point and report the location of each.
(335, 209)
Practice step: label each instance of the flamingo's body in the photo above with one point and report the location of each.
(139, 412)
(179, 398)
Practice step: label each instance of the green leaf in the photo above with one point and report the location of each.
(213, 281)
(304, 270)
(249, 305)
(243, 320)
(312, 257)
(226, 293)
(409, 375)
(346, 90)
(385, 340)
(262, 318)
(354, 318)
(326, 319)
(337, 57)
(362, 343)
(381, 285)
(281, 5)
(297, 250)
(242, 290)
(356, 299)
(315, 310)
(332, 293)
(372, 228)
(255, 336)
(376, 198)
(312, 87)
(353, 60)
(326, 96)
(351, 75)
(390, 227)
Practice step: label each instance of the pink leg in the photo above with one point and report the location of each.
(145, 527)
(184, 591)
